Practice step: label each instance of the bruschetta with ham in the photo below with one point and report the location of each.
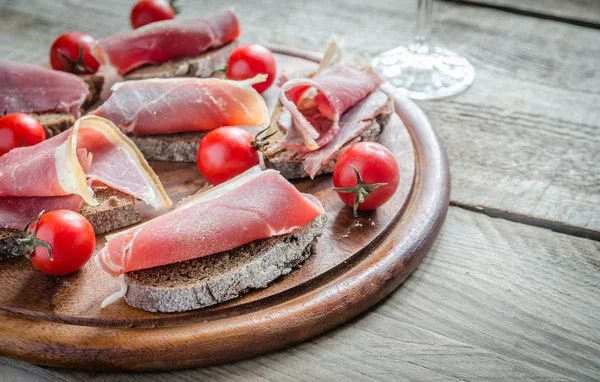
(216, 245)
(180, 47)
(319, 116)
(167, 118)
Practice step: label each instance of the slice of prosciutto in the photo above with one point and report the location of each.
(333, 92)
(162, 41)
(163, 106)
(26, 88)
(16, 212)
(92, 151)
(352, 124)
(254, 205)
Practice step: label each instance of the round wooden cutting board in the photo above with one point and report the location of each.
(57, 321)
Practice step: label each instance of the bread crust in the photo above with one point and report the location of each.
(178, 147)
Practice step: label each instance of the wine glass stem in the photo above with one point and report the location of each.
(424, 24)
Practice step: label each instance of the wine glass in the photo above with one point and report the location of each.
(423, 71)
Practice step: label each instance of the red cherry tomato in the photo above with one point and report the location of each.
(69, 235)
(18, 130)
(226, 152)
(378, 179)
(72, 52)
(148, 11)
(247, 61)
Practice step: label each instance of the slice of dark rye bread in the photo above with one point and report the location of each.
(210, 280)
(178, 147)
(292, 167)
(116, 210)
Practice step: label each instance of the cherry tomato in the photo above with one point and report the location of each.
(148, 11)
(70, 237)
(18, 130)
(226, 152)
(373, 180)
(72, 52)
(247, 61)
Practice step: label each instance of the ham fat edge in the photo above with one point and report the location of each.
(92, 151)
(254, 205)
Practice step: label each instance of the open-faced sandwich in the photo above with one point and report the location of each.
(180, 47)
(320, 116)
(216, 245)
(55, 98)
(91, 168)
(167, 118)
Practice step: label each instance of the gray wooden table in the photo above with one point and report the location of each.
(511, 289)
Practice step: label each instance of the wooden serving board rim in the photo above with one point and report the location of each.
(379, 268)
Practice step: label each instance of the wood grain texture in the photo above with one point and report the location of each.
(493, 300)
(522, 139)
(585, 12)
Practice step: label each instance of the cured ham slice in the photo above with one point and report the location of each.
(163, 106)
(327, 110)
(167, 40)
(335, 91)
(16, 212)
(93, 150)
(252, 206)
(352, 124)
(29, 88)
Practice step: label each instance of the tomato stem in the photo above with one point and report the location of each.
(362, 190)
(77, 66)
(260, 142)
(175, 6)
(29, 241)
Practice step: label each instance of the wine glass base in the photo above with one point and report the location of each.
(425, 72)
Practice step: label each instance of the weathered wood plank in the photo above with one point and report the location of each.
(583, 11)
(494, 300)
(523, 139)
